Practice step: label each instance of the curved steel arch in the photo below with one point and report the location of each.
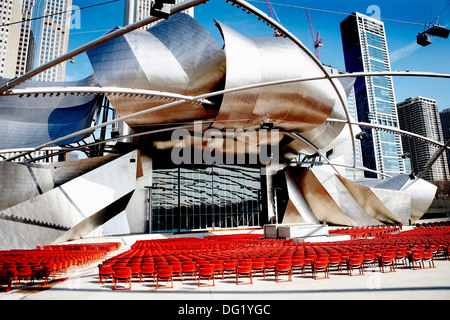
(285, 33)
(393, 130)
(101, 90)
(204, 96)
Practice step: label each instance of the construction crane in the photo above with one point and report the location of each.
(316, 37)
(277, 33)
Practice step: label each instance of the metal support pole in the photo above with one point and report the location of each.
(105, 38)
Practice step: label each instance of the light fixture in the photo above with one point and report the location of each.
(438, 31)
(362, 135)
(161, 8)
(266, 125)
(423, 39)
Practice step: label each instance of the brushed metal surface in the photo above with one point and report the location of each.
(48, 216)
(319, 200)
(297, 107)
(367, 199)
(177, 55)
(29, 121)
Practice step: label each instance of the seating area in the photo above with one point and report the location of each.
(243, 257)
(48, 263)
(365, 232)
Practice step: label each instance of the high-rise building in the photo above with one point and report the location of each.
(136, 10)
(366, 50)
(420, 115)
(10, 17)
(343, 153)
(49, 36)
(445, 122)
(34, 32)
(25, 54)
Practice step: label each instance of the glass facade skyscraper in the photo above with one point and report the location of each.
(49, 36)
(365, 50)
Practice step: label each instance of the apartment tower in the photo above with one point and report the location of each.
(33, 33)
(445, 122)
(366, 50)
(420, 115)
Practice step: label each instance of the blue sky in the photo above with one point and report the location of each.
(404, 52)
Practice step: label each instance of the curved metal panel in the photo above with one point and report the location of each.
(299, 107)
(177, 56)
(29, 121)
(319, 200)
(344, 199)
(422, 195)
(367, 199)
(422, 192)
(297, 209)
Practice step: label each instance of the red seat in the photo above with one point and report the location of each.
(243, 271)
(369, 259)
(298, 263)
(309, 262)
(39, 272)
(258, 266)
(206, 272)
(147, 271)
(355, 262)
(320, 265)
(416, 258)
(177, 269)
(164, 273)
(6, 279)
(387, 260)
(135, 270)
(229, 267)
(122, 274)
(283, 268)
(401, 255)
(218, 268)
(427, 256)
(189, 269)
(334, 262)
(270, 265)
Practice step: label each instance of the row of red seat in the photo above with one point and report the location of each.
(218, 256)
(48, 262)
(107, 246)
(364, 232)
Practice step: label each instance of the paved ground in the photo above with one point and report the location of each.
(404, 284)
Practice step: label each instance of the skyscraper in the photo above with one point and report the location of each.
(136, 10)
(365, 50)
(420, 115)
(10, 14)
(343, 153)
(445, 122)
(34, 32)
(49, 35)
